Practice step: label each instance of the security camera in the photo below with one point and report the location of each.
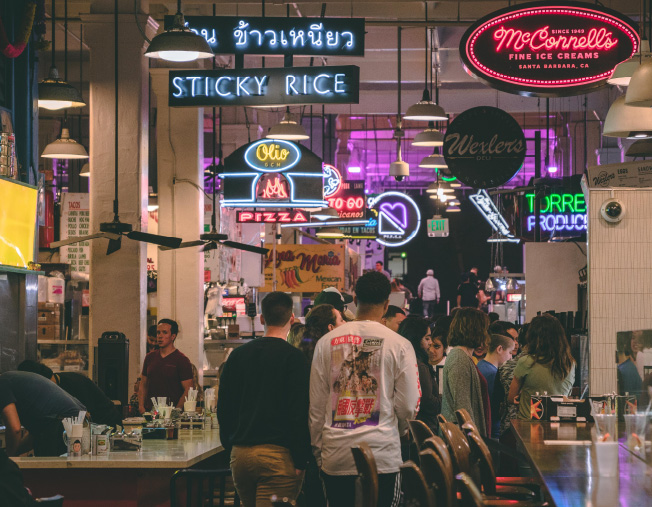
(399, 170)
(612, 210)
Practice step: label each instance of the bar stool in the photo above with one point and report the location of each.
(415, 489)
(420, 432)
(199, 487)
(368, 472)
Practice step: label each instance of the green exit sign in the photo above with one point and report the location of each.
(437, 227)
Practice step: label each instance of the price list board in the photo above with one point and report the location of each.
(75, 221)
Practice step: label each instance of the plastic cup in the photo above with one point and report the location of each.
(606, 457)
(166, 412)
(190, 406)
(605, 427)
(635, 426)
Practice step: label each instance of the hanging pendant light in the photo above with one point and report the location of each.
(627, 121)
(432, 188)
(287, 129)
(325, 214)
(329, 232)
(624, 71)
(429, 137)
(639, 91)
(178, 43)
(85, 171)
(434, 161)
(453, 209)
(65, 148)
(53, 92)
(641, 148)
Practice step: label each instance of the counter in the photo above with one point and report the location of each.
(143, 477)
(562, 455)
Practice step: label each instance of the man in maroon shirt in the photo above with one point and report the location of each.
(166, 371)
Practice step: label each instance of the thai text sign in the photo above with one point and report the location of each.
(265, 87)
(278, 36)
(305, 268)
(548, 48)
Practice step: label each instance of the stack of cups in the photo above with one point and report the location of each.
(7, 155)
(606, 444)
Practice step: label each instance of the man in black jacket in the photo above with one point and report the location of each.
(262, 408)
(100, 408)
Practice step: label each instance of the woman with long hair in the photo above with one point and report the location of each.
(417, 330)
(322, 319)
(547, 367)
(462, 383)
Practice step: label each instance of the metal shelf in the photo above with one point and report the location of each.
(62, 342)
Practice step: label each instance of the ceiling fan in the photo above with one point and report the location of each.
(211, 240)
(114, 230)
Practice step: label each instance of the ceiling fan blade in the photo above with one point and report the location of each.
(186, 244)
(208, 246)
(245, 247)
(155, 239)
(114, 245)
(78, 239)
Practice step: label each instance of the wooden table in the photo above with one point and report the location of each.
(569, 470)
(123, 478)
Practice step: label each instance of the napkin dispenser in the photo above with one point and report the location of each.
(126, 442)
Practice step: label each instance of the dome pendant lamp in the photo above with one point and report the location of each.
(179, 43)
(429, 137)
(627, 121)
(53, 92)
(65, 148)
(426, 109)
(624, 71)
(287, 129)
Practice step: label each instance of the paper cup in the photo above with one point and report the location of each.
(606, 457)
(190, 406)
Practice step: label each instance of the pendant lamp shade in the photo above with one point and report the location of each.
(288, 130)
(432, 188)
(627, 121)
(329, 232)
(453, 209)
(623, 72)
(179, 44)
(325, 214)
(433, 161)
(639, 91)
(429, 137)
(641, 148)
(55, 93)
(85, 171)
(425, 110)
(65, 148)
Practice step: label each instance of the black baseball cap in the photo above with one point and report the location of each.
(332, 296)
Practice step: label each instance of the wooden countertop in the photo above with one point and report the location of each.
(561, 453)
(190, 448)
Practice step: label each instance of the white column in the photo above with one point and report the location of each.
(180, 151)
(117, 281)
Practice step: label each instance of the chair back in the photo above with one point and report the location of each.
(441, 419)
(462, 415)
(420, 432)
(368, 472)
(438, 478)
(51, 501)
(471, 495)
(190, 487)
(481, 459)
(282, 502)
(415, 489)
(457, 445)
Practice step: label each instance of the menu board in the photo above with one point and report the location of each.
(75, 221)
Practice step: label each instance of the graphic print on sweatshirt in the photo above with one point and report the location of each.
(355, 374)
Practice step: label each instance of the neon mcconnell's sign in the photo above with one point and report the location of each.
(559, 213)
(548, 49)
(269, 35)
(269, 86)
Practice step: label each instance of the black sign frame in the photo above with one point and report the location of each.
(274, 86)
(573, 83)
(320, 36)
(484, 147)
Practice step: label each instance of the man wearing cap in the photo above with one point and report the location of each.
(429, 293)
(332, 296)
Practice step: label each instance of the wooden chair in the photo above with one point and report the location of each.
(368, 472)
(420, 432)
(470, 493)
(463, 417)
(415, 489)
(199, 486)
(458, 447)
(439, 478)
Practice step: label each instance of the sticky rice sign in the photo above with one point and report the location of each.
(305, 268)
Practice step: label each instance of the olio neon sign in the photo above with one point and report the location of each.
(272, 155)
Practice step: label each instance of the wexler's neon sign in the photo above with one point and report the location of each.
(265, 87)
(269, 36)
(548, 48)
(272, 173)
(559, 213)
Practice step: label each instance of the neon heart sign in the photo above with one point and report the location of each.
(399, 218)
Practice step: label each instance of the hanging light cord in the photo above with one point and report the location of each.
(53, 33)
(115, 76)
(425, 80)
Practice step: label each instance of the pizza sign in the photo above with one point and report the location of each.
(548, 48)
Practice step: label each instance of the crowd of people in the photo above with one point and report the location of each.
(292, 404)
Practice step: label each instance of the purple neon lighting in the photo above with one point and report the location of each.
(400, 218)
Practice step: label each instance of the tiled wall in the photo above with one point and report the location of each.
(620, 278)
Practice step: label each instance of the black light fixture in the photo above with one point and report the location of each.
(55, 93)
(178, 43)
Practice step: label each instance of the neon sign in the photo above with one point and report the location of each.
(265, 87)
(559, 213)
(279, 36)
(272, 217)
(332, 180)
(346, 197)
(488, 209)
(273, 173)
(548, 48)
(399, 218)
